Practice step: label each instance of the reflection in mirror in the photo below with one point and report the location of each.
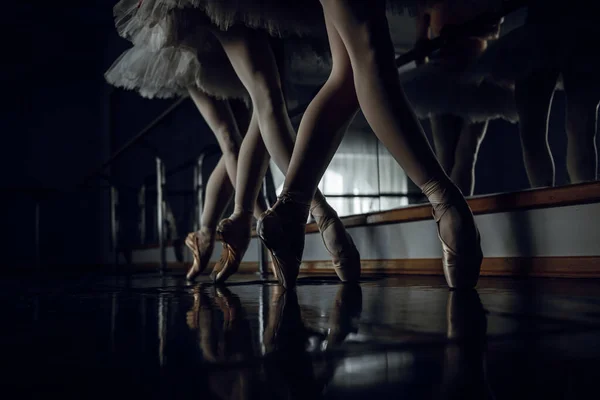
(496, 130)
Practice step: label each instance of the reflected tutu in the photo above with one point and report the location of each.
(170, 71)
(433, 89)
(526, 49)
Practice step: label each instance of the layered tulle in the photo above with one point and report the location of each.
(278, 17)
(169, 72)
(159, 23)
(434, 89)
(145, 22)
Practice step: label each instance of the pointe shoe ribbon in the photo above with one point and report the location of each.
(344, 254)
(201, 245)
(236, 239)
(460, 269)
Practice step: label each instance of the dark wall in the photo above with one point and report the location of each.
(56, 129)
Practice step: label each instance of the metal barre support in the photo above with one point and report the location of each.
(160, 213)
(114, 224)
(142, 209)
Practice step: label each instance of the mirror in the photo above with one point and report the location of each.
(363, 177)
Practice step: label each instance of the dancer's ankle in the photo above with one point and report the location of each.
(319, 208)
(296, 196)
(239, 213)
(437, 189)
(206, 230)
(296, 204)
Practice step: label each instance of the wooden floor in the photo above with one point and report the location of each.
(543, 267)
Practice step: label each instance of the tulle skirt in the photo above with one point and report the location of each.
(170, 71)
(160, 23)
(434, 89)
(280, 18)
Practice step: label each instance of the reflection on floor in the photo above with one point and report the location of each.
(153, 337)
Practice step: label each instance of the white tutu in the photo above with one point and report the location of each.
(170, 71)
(158, 23)
(433, 90)
(279, 18)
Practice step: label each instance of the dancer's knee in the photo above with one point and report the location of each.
(341, 80)
(268, 102)
(229, 140)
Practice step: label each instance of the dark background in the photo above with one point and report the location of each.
(57, 124)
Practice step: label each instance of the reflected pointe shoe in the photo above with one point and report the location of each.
(201, 244)
(346, 310)
(235, 234)
(461, 266)
(282, 229)
(285, 330)
(466, 318)
(464, 366)
(338, 242)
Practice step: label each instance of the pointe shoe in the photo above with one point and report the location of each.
(460, 269)
(235, 235)
(202, 245)
(338, 243)
(282, 229)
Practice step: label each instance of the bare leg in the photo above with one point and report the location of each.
(252, 166)
(365, 33)
(254, 63)
(334, 106)
(533, 96)
(467, 148)
(235, 230)
(446, 130)
(583, 96)
(220, 119)
(219, 191)
(389, 114)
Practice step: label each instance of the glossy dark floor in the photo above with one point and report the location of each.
(411, 338)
